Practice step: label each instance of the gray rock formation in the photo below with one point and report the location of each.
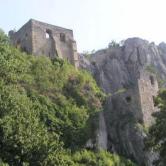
(129, 74)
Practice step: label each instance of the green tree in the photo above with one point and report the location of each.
(47, 111)
(23, 137)
(102, 158)
(114, 44)
(156, 140)
(3, 38)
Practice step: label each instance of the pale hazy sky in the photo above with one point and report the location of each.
(94, 22)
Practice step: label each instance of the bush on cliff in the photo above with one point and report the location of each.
(156, 140)
(102, 158)
(46, 109)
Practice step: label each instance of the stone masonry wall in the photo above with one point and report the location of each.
(40, 38)
(148, 89)
(58, 43)
(23, 38)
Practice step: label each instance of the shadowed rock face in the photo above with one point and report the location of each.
(128, 73)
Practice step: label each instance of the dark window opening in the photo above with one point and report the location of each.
(48, 34)
(93, 63)
(140, 121)
(128, 99)
(154, 101)
(152, 80)
(62, 37)
(26, 36)
(49, 54)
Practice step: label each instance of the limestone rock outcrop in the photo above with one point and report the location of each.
(130, 75)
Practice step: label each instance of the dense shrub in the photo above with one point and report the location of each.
(102, 158)
(46, 111)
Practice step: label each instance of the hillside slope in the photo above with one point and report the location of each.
(48, 111)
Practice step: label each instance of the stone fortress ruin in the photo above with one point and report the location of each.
(119, 71)
(148, 90)
(138, 99)
(129, 83)
(40, 38)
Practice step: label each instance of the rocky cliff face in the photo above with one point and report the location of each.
(115, 64)
(127, 73)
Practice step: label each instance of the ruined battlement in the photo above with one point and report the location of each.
(40, 38)
(147, 90)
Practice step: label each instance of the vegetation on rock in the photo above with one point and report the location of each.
(47, 112)
(156, 140)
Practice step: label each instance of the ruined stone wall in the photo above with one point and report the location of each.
(127, 102)
(148, 89)
(122, 114)
(75, 57)
(23, 38)
(59, 41)
(41, 44)
(40, 38)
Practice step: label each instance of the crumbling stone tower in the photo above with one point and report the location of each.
(138, 99)
(129, 113)
(147, 90)
(40, 38)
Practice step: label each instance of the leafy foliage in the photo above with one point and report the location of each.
(102, 158)
(3, 38)
(113, 44)
(46, 110)
(157, 133)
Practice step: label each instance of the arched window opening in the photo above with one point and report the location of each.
(48, 33)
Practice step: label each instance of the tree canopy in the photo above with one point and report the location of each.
(48, 110)
(156, 140)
